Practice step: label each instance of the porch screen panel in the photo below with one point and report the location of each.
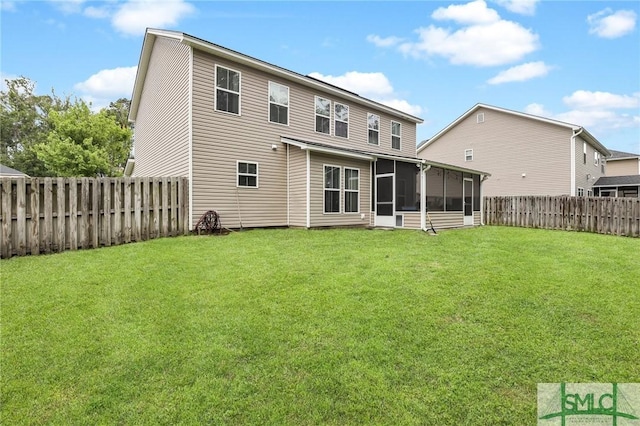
(453, 191)
(435, 189)
(407, 187)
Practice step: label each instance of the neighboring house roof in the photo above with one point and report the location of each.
(231, 55)
(576, 129)
(367, 155)
(621, 155)
(9, 172)
(618, 180)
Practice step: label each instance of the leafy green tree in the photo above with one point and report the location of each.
(83, 143)
(24, 124)
(119, 110)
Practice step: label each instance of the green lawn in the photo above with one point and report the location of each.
(317, 327)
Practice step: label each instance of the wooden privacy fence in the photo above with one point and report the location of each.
(602, 215)
(44, 215)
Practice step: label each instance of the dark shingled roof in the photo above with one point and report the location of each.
(617, 155)
(631, 180)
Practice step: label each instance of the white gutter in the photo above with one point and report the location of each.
(572, 190)
(423, 195)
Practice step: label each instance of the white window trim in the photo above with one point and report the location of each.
(398, 136)
(468, 153)
(338, 190)
(238, 174)
(580, 192)
(584, 153)
(595, 158)
(336, 119)
(589, 192)
(216, 88)
(344, 172)
(315, 114)
(377, 131)
(275, 103)
(480, 118)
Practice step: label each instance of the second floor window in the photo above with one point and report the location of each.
(468, 155)
(227, 90)
(278, 103)
(341, 116)
(395, 135)
(373, 123)
(323, 115)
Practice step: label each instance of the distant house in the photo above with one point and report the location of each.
(265, 146)
(525, 154)
(623, 164)
(623, 176)
(9, 172)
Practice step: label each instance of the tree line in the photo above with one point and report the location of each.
(49, 135)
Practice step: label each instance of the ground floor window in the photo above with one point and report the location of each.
(331, 189)
(351, 190)
(247, 174)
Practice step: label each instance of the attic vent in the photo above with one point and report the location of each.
(480, 117)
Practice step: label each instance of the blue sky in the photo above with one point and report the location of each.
(574, 61)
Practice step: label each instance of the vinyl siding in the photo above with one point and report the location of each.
(411, 220)
(220, 139)
(623, 167)
(297, 187)
(443, 220)
(508, 146)
(589, 168)
(161, 142)
(318, 217)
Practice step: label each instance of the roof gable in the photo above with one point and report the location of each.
(578, 130)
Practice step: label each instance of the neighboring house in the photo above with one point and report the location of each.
(623, 176)
(9, 172)
(265, 146)
(525, 154)
(623, 164)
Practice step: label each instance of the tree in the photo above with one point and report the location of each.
(24, 124)
(82, 143)
(119, 110)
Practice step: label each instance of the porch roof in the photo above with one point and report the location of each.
(369, 155)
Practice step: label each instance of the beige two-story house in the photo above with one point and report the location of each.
(265, 146)
(623, 176)
(525, 154)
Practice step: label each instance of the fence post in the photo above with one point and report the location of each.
(34, 234)
(7, 218)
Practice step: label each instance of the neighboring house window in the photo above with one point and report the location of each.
(584, 153)
(351, 190)
(468, 155)
(480, 118)
(395, 135)
(589, 192)
(227, 90)
(278, 103)
(602, 166)
(341, 117)
(331, 189)
(247, 174)
(595, 158)
(580, 192)
(373, 123)
(323, 115)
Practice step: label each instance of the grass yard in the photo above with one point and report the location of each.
(305, 327)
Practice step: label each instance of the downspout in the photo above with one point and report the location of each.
(308, 206)
(572, 192)
(423, 195)
(482, 179)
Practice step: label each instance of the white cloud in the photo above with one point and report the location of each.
(383, 42)
(609, 24)
(68, 6)
(107, 86)
(497, 43)
(475, 12)
(367, 84)
(522, 72)
(97, 12)
(8, 6)
(374, 85)
(133, 17)
(597, 111)
(584, 99)
(521, 7)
